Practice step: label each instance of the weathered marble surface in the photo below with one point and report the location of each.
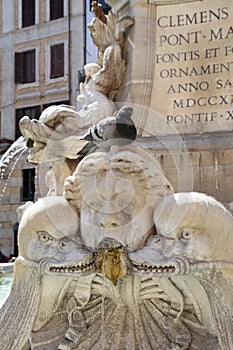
(53, 137)
(115, 193)
(181, 53)
(112, 258)
(122, 260)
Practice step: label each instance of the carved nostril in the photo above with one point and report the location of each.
(167, 252)
(108, 224)
(62, 244)
(109, 221)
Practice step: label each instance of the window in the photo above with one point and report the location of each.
(28, 13)
(28, 190)
(32, 112)
(57, 61)
(25, 66)
(56, 9)
(57, 103)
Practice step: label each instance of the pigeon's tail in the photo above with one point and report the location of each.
(126, 128)
(88, 148)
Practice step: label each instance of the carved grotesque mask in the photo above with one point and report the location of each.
(114, 205)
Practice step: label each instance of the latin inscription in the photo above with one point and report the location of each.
(194, 63)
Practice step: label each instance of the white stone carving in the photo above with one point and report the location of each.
(116, 260)
(193, 244)
(108, 34)
(121, 260)
(54, 135)
(126, 183)
(48, 235)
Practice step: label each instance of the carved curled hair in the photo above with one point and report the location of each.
(128, 160)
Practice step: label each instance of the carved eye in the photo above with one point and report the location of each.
(186, 234)
(43, 236)
(95, 205)
(132, 206)
(123, 204)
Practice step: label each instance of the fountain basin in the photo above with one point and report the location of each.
(6, 275)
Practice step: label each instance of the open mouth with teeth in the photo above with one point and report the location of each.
(109, 260)
(70, 269)
(160, 268)
(154, 269)
(178, 265)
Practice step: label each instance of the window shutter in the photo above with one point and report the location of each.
(56, 9)
(18, 67)
(57, 61)
(29, 66)
(28, 13)
(25, 67)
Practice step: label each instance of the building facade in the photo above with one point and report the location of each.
(44, 45)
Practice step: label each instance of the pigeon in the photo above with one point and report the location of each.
(115, 130)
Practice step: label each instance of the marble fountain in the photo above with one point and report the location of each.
(113, 257)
